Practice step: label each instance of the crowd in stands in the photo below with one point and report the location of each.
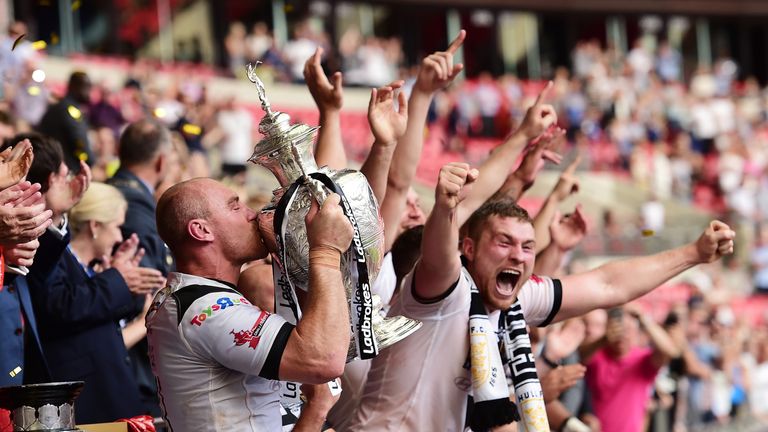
(702, 140)
(698, 137)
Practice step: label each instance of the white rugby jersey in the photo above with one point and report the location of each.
(216, 357)
(421, 383)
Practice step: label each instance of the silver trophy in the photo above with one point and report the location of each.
(286, 151)
(41, 407)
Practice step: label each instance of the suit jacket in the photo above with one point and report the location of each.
(21, 347)
(78, 319)
(140, 219)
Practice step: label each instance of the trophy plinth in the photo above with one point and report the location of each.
(286, 151)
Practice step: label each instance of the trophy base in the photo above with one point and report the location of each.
(394, 329)
(387, 330)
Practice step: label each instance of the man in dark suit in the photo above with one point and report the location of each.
(23, 218)
(67, 122)
(22, 357)
(145, 149)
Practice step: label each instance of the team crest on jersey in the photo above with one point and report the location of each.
(251, 337)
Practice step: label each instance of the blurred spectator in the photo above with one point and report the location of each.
(236, 125)
(669, 63)
(30, 95)
(67, 121)
(234, 44)
(145, 150)
(759, 261)
(371, 64)
(620, 373)
(759, 382)
(489, 102)
(14, 59)
(299, 49)
(145, 147)
(652, 215)
(258, 42)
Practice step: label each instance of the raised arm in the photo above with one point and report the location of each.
(316, 350)
(619, 282)
(440, 265)
(566, 232)
(664, 347)
(566, 185)
(437, 71)
(387, 126)
(329, 97)
(538, 119)
(536, 155)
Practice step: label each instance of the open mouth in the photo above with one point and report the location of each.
(506, 281)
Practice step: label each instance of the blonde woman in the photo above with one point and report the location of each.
(80, 305)
(95, 224)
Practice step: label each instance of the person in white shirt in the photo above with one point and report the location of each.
(421, 383)
(217, 357)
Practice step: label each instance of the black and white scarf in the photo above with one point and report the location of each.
(496, 359)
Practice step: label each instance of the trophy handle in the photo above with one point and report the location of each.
(314, 186)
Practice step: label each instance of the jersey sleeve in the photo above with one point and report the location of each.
(228, 329)
(455, 299)
(540, 299)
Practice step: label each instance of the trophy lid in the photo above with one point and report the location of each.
(279, 133)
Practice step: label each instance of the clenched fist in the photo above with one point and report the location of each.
(453, 184)
(716, 241)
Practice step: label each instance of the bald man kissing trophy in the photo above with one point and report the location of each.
(286, 151)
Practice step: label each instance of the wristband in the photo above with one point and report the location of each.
(548, 362)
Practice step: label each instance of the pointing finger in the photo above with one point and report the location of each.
(456, 44)
(543, 95)
(571, 168)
